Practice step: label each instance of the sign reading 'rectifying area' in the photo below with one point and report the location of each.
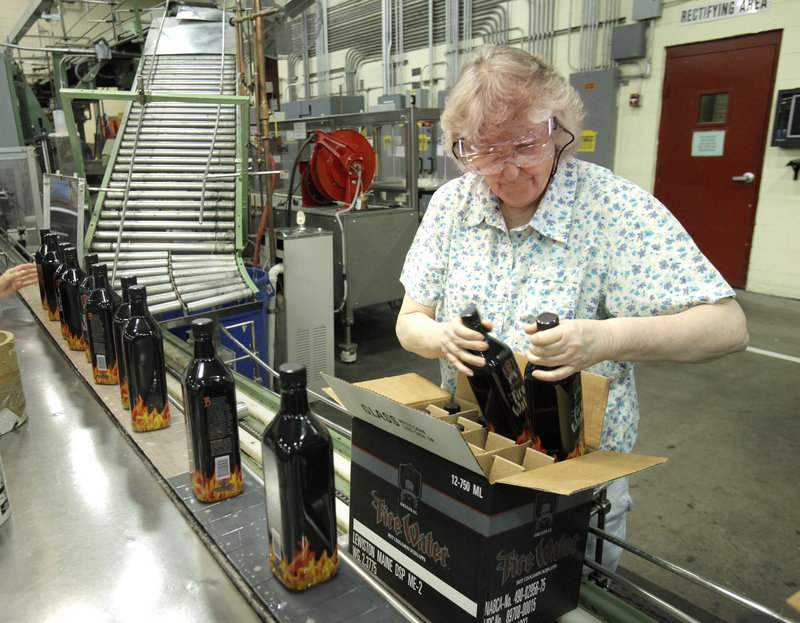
(718, 10)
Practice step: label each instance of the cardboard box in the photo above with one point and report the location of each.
(468, 526)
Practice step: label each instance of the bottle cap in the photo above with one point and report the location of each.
(100, 270)
(452, 407)
(127, 282)
(202, 329)
(71, 253)
(137, 293)
(472, 319)
(292, 375)
(546, 320)
(89, 259)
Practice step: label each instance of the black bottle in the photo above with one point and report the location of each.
(121, 316)
(62, 266)
(297, 457)
(144, 364)
(51, 262)
(70, 299)
(209, 405)
(100, 324)
(556, 408)
(84, 290)
(48, 241)
(498, 385)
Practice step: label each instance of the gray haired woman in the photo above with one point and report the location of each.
(529, 228)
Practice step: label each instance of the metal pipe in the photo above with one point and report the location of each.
(164, 307)
(164, 235)
(688, 575)
(209, 225)
(675, 612)
(169, 246)
(167, 203)
(213, 301)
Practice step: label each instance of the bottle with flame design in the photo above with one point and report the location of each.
(121, 317)
(556, 408)
(297, 457)
(498, 385)
(70, 299)
(84, 290)
(209, 405)
(100, 323)
(144, 365)
(5, 505)
(48, 240)
(62, 266)
(51, 262)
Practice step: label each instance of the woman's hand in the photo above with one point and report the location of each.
(16, 278)
(701, 333)
(572, 346)
(418, 332)
(457, 340)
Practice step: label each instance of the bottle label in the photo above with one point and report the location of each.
(104, 361)
(214, 448)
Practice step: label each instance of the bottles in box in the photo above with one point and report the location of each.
(498, 386)
(556, 407)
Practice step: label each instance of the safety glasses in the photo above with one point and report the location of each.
(527, 150)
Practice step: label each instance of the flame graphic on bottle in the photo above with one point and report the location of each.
(75, 343)
(213, 490)
(304, 570)
(144, 418)
(110, 376)
(123, 392)
(52, 313)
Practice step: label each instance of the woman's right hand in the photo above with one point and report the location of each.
(457, 342)
(419, 332)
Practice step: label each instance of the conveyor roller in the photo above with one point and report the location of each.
(164, 216)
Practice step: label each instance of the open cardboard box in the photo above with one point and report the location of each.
(467, 525)
(393, 404)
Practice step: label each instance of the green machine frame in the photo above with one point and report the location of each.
(242, 102)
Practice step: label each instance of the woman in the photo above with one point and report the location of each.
(528, 229)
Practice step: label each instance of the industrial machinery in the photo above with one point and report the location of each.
(372, 237)
(170, 210)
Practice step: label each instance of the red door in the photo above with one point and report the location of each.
(714, 123)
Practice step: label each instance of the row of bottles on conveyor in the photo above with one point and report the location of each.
(522, 407)
(124, 344)
(121, 339)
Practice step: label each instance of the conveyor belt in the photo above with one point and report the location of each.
(168, 212)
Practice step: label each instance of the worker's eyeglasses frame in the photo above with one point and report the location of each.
(508, 151)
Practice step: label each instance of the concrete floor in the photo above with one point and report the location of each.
(726, 505)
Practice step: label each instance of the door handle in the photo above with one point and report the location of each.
(747, 178)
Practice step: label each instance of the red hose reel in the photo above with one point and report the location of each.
(339, 161)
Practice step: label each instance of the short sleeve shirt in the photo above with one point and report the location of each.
(597, 247)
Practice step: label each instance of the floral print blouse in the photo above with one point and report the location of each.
(597, 247)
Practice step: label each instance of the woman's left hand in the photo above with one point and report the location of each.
(568, 348)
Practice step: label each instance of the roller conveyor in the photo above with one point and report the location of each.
(162, 215)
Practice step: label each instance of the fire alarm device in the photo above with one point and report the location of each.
(633, 100)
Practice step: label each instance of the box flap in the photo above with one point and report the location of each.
(583, 472)
(414, 426)
(409, 389)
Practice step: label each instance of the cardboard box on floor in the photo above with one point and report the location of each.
(468, 526)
